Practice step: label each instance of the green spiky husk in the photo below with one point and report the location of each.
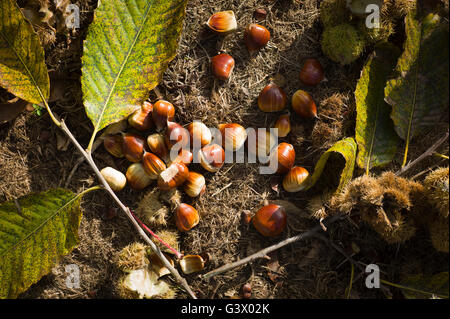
(333, 12)
(342, 43)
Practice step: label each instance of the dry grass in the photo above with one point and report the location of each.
(303, 270)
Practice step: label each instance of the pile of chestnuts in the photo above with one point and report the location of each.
(150, 154)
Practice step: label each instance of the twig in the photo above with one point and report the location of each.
(80, 160)
(427, 153)
(262, 253)
(156, 250)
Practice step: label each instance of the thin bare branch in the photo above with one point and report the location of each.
(427, 153)
(262, 253)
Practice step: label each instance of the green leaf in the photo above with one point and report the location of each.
(347, 148)
(419, 93)
(127, 49)
(34, 235)
(22, 61)
(375, 134)
(420, 286)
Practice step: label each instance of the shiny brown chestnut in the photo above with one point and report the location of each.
(157, 145)
(133, 147)
(233, 136)
(282, 158)
(113, 144)
(212, 157)
(256, 37)
(222, 22)
(294, 180)
(163, 112)
(195, 184)
(137, 177)
(272, 98)
(283, 124)
(153, 165)
(141, 119)
(303, 104)
(270, 220)
(311, 73)
(176, 134)
(175, 175)
(222, 66)
(200, 134)
(186, 217)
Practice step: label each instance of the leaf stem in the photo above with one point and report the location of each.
(93, 188)
(412, 289)
(440, 155)
(52, 116)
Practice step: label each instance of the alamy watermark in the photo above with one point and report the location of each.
(72, 20)
(73, 276)
(373, 17)
(373, 277)
(260, 146)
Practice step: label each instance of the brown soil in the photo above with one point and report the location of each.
(31, 162)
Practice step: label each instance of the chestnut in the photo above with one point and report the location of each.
(303, 104)
(222, 66)
(163, 112)
(272, 98)
(133, 147)
(256, 37)
(311, 73)
(270, 220)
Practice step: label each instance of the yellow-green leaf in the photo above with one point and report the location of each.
(127, 49)
(34, 234)
(347, 148)
(374, 133)
(22, 61)
(419, 92)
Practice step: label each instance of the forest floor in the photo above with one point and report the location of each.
(35, 156)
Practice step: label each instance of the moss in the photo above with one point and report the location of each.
(333, 12)
(342, 43)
